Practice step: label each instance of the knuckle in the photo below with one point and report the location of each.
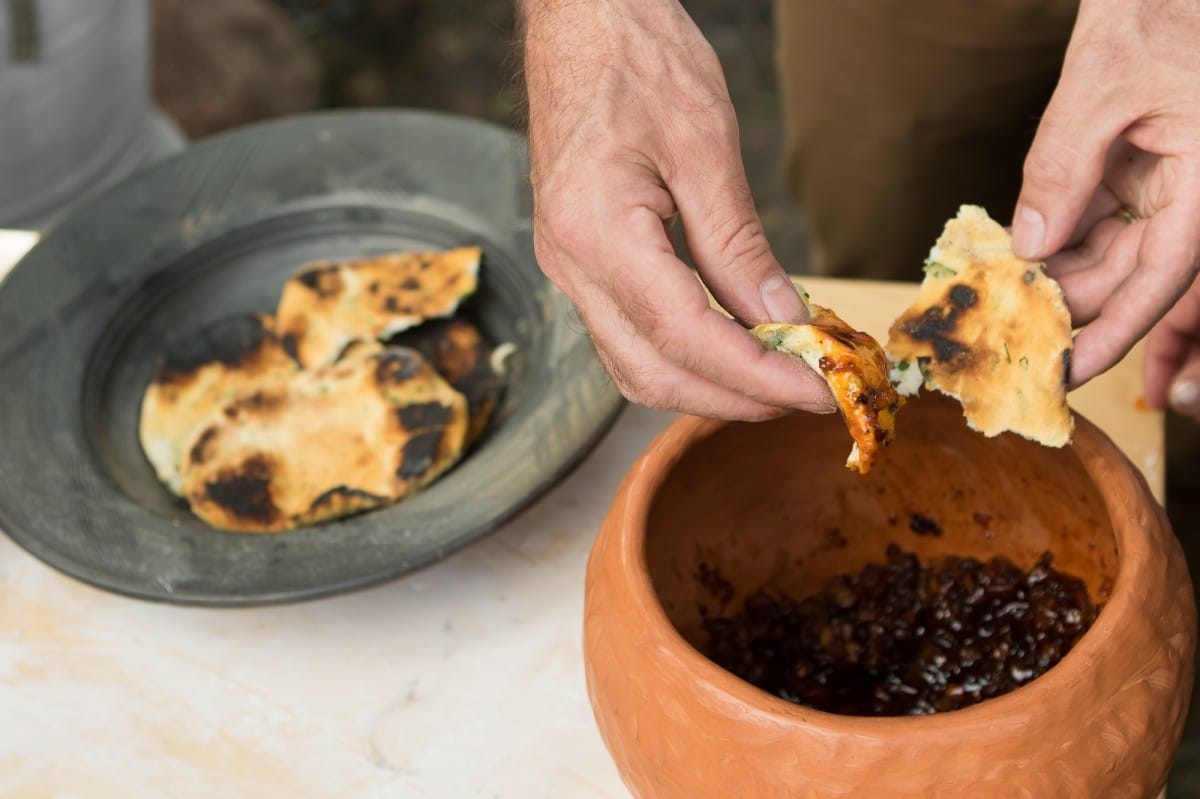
(559, 220)
(668, 335)
(643, 387)
(1051, 166)
(706, 133)
(660, 334)
(548, 260)
(741, 243)
(659, 396)
(641, 382)
(724, 128)
(560, 238)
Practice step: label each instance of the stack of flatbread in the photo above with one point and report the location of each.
(362, 387)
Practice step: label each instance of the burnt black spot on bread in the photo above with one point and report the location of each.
(461, 354)
(231, 341)
(290, 346)
(947, 349)
(340, 498)
(324, 281)
(963, 296)
(396, 364)
(244, 491)
(424, 415)
(935, 326)
(929, 324)
(419, 454)
(199, 452)
(392, 304)
(256, 401)
(410, 283)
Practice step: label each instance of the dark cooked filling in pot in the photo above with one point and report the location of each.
(903, 637)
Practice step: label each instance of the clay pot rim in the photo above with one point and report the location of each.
(684, 432)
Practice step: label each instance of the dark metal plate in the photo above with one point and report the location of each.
(217, 230)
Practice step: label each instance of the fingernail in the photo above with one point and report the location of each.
(782, 301)
(1185, 396)
(1029, 233)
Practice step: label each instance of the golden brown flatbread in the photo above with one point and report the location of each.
(197, 375)
(465, 358)
(857, 370)
(374, 427)
(990, 330)
(328, 305)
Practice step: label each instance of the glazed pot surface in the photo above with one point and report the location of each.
(772, 505)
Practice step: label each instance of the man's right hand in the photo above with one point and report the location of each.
(631, 127)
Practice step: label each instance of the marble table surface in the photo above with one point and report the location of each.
(462, 679)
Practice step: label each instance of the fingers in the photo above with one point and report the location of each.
(725, 236)
(1091, 273)
(1167, 257)
(650, 318)
(1171, 370)
(661, 303)
(1065, 164)
(649, 375)
(1102, 207)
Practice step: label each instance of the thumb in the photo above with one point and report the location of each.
(728, 245)
(1063, 169)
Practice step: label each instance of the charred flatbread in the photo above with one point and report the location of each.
(466, 359)
(197, 375)
(857, 370)
(991, 330)
(372, 428)
(328, 305)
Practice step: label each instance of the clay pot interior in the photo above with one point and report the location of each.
(772, 504)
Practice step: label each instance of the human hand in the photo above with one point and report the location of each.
(631, 127)
(1113, 177)
(1172, 366)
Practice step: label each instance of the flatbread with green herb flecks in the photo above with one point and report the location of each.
(991, 330)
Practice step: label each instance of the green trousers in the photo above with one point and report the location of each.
(898, 112)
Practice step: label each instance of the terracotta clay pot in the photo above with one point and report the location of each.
(773, 504)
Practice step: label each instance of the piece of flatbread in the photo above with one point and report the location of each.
(857, 370)
(991, 330)
(198, 374)
(328, 305)
(466, 359)
(369, 429)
